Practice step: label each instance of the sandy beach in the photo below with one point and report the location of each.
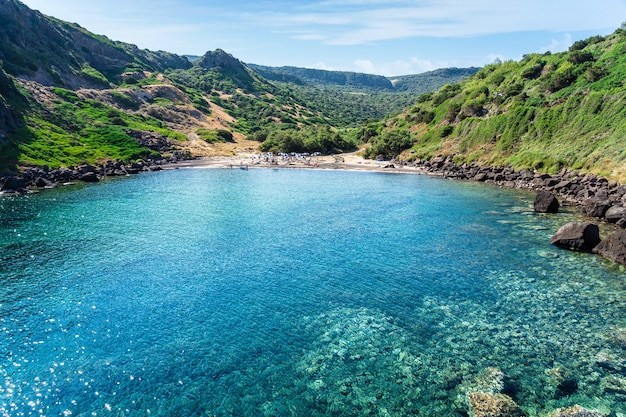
(346, 161)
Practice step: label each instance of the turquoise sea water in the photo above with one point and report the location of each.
(296, 293)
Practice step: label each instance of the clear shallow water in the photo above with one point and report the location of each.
(287, 292)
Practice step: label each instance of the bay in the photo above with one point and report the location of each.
(297, 292)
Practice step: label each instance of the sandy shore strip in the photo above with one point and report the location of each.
(346, 161)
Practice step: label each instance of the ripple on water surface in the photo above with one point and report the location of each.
(269, 292)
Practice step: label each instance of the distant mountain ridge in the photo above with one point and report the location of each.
(431, 80)
(323, 77)
(415, 83)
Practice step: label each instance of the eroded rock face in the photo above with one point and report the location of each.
(546, 202)
(613, 247)
(581, 236)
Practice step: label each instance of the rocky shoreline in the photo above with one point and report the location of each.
(593, 194)
(44, 177)
(600, 199)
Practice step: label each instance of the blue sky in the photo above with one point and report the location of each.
(386, 37)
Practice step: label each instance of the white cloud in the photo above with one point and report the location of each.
(491, 58)
(353, 22)
(364, 65)
(309, 37)
(557, 45)
(400, 67)
(323, 66)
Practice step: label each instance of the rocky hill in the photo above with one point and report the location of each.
(70, 97)
(52, 52)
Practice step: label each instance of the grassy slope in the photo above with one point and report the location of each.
(65, 130)
(544, 112)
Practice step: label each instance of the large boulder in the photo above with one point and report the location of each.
(596, 206)
(89, 177)
(43, 182)
(615, 214)
(546, 202)
(581, 236)
(613, 247)
(13, 184)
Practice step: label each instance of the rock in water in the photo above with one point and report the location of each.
(89, 177)
(493, 405)
(596, 206)
(615, 214)
(546, 202)
(613, 247)
(13, 183)
(581, 236)
(574, 411)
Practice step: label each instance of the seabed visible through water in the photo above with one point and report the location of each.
(299, 293)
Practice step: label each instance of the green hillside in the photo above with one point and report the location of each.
(545, 112)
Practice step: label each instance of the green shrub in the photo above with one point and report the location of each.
(94, 76)
(561, 79)
(533, 71)
(125, 101)
(390, 144)
(421, 115)
(580, 57)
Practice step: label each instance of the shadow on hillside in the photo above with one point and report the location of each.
(10, 152)
(13, 131)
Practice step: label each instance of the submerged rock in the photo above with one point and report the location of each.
(574, 411)
(490, 381)
(486, 395)
(546, 202)
(483, 404)
(562, 381)
(613, 247)
(615, 384)
(581, 236)
(618, 338)
(610, 362)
